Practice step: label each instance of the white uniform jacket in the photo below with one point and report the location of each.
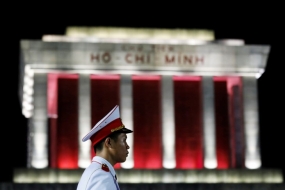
(99, 175)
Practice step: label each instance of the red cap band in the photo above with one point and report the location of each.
(106, 131)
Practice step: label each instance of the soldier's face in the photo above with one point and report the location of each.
(121, 148)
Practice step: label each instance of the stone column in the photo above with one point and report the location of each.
(126, 110)
(210, 160)
(84, 119)
(168, 125)
(251, 125)
(38, 125)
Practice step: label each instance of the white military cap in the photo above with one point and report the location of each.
(106, 126)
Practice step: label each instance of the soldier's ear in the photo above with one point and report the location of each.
(107, 142)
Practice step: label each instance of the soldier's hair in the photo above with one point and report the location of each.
(99, 146)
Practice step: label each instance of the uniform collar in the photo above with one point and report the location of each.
(104, 161)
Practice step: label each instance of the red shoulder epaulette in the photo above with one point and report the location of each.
(105, 168)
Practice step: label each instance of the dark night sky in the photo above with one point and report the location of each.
(254, 27)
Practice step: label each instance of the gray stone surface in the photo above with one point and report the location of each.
(66, 55)
(151, 186)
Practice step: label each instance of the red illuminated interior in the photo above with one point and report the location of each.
(188, 122)
(147, 147)
(147, 126)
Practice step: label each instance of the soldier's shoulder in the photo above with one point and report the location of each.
(101, 167)
(105, 168)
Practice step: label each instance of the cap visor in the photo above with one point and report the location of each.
(125, 130)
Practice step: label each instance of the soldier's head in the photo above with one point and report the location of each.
(108, 137)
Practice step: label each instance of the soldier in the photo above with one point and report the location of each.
(108, 138)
